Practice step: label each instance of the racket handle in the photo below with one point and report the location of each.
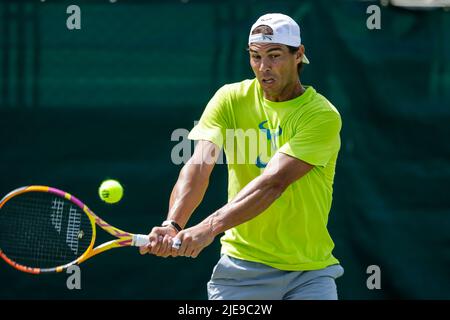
(140, 240)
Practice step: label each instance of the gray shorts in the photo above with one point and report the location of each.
(235, 279)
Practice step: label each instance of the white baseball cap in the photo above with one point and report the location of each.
(285, 31)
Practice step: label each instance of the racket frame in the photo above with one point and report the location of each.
(124, 239)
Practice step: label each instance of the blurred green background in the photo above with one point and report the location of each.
(80, 106)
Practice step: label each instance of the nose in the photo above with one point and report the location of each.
(264, 65)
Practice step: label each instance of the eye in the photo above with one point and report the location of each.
(256, 57)
(274, 56)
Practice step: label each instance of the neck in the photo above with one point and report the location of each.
(290, 92)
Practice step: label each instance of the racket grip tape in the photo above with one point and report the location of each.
(140, 240)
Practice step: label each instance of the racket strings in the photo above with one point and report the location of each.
(43, 230)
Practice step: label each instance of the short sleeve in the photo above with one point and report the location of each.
(213, 122)
(316, 141)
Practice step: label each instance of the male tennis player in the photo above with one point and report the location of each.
(276, 243)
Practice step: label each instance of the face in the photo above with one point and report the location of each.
(275, 68)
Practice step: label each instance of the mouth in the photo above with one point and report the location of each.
(268, 80)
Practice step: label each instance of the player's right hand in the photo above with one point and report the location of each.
(160, 241)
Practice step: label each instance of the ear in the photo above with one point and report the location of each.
(300, 53)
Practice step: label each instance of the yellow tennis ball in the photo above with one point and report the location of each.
(110, 191)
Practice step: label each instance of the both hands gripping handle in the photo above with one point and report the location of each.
(140, 240)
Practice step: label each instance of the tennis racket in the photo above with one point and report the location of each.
(44, 230)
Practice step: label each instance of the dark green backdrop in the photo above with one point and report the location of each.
(80, 106)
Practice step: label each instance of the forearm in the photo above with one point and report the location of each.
(259, 194)
(187, 194)
(252, 200)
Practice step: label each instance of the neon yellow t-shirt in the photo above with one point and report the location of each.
(292, 233)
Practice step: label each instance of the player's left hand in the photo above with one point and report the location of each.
(193, 240)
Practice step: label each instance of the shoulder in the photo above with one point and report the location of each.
(320, 106)
(239, 89)
(230, 97)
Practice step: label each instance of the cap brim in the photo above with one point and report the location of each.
(305, 60)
